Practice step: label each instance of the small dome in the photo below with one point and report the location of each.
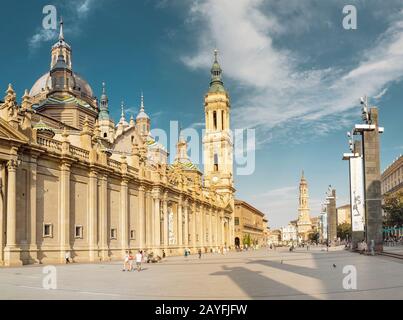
(142, 115)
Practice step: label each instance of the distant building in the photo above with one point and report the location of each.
(250, 223)
(274, 237)
(343, 214)
(392, 177)
(289, 233)
(304, 223)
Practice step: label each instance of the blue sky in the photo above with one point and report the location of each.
(293, 73)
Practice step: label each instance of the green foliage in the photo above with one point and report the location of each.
(344, 231)
(393, 208)
(314, 237)
(247, 240)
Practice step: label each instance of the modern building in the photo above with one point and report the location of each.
(392, 177)
(343, 214)
(304, 223)
(250, 225)
(74, 181)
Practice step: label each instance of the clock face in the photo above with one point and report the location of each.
(215, 179)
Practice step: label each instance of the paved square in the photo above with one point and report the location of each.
(260, 274)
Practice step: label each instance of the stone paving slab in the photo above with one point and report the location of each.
(260, 274)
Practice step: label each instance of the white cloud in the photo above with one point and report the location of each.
(278, 91)
(75, 12)
(43, 35)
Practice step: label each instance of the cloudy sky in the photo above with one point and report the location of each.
(294, 74)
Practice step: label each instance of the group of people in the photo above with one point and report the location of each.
(392, 241)
(129, 259)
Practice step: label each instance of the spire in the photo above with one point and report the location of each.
(216, 84)
(104, 108)
(142, 102)
(142, 114)
(122, 115)
(61, 34)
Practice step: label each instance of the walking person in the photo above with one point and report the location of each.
(163, 254)
(131, 258)
(200, 253)
(139, 259)
(126, 261)
(67, 256)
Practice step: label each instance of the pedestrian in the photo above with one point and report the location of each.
(139, 259)
(163, 254)
(126, 261)
(67, 256)
(200, 253)
(131, 258)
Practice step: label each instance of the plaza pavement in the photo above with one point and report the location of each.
(260, 274)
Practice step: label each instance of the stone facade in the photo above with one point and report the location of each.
(74, 181)
(249, 223)
(344, 214)
(392, 177)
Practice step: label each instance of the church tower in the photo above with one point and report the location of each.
(217, 141)
(106, 124)
(304, 223)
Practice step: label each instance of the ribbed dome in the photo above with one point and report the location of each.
(45, 81)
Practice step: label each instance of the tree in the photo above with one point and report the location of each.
(344, 231)
(247, 240)
(393, 208)
(314, 237)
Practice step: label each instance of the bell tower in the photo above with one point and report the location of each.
(304, 223)
(217, 141)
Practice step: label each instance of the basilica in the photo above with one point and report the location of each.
(72, 180)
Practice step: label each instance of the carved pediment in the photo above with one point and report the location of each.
(8, 133)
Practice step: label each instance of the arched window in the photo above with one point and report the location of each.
(215, 120)
(132, 139)
(105, 135)
(215, 162)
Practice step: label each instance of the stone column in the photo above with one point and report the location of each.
(202, 218)
(2, 211)
(165, 217)
(149, 212)
(372, 179)
(332, 218)
(222, 231)
(141, 219)
(179, 228)
(219, 120)
(33, 223)
(103, 218)
(92, 215)
(64, 221)
(211, 227)
(194, 215)
(186, 225)
(124, 215)
(216, 229)
(157, 220)
(11, 252)
(356, 236)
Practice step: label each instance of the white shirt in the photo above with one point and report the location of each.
(139, 257)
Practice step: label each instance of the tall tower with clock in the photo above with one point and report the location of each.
(217, 140)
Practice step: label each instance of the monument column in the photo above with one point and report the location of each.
(372, 179)
(92, 214)
(332, 218)
(64, 221)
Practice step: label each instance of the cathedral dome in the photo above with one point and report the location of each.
(45, 82)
